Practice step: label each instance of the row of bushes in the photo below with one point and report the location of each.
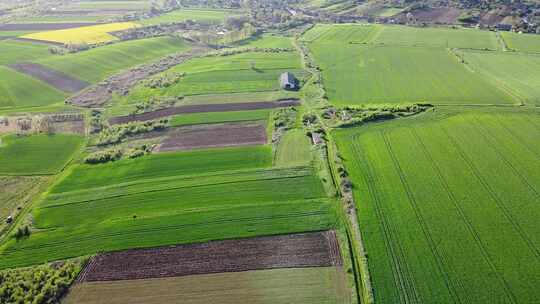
(101, 157)
(352, 116)
(115, 134)
(44, 284)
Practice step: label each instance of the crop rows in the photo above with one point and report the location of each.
(439, 212)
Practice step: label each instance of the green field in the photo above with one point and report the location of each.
(448, 205)
(389, 11)
(36, 154)
(321, 285)
(517, 72)
(358, 74)
(267, 41)
(18, 90)
(126, 205)
(16, 192)
(18, 51)
(164, 165)
(199, 15)
(219, 117)
(96, 64)
(437, 37)
(241, 73)
(522, 42)
(294, 149)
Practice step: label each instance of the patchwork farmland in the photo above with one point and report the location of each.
(256, 152)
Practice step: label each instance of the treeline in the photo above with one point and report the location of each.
(354, 116)
(116, 133)
(44, 284)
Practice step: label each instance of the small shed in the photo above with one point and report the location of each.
(287, 81)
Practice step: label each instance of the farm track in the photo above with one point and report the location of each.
(441, 262)
(507, 213)
(401, 272)
(470, 227)
(204, 108)
(282, 251)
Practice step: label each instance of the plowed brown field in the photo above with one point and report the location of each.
(314, 249)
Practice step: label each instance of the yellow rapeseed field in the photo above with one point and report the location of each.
(87, 34)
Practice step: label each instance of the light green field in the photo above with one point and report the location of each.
(18, 90)
(128, 205)
(96, 64)
(321, 285)
(166, 164)
(241, 73)
(199, 15)
(522, 42)
(448, 206)
(268, 41)
(18, 51)
(437, 37)
(294, 149)
(341, 33)
(219, 117)
(358, 74)
(36, 154)
(519, 73)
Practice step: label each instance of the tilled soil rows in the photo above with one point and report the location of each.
(121, 83)
(37, 41)
(203, 108)
(214, 135)
(42, 26)
(316, 249)
(56, 79)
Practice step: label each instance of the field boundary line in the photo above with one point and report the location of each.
(440, 260)
(466, 220)
(506, 212)
(400, 271)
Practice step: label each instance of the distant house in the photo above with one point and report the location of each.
(503, 27)
(287, 81)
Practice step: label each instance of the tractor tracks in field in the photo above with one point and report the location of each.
(494, 143)
(440, 260)
(401, 273)
(496, 199)
(468, 223)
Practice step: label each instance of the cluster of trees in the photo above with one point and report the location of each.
(284, 119)
(110, 155)
(44, 284)
(115, 134)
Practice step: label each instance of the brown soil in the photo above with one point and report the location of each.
(214, 135)
(42, 26)
(99, 94)
(56, 79)
(225, 107)
(442, 15)
(314, 249)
